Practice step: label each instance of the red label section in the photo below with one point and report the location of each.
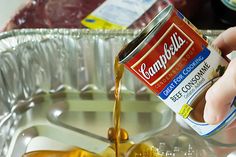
(166, 54)
(163, 56)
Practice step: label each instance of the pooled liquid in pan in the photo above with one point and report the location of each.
(79, 152)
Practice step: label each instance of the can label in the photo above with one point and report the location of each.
(178, 65)
(113, 14)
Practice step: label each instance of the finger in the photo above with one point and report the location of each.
(219, 96)
(226, 41)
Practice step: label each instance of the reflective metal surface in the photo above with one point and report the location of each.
(83, 123)
(57, 93)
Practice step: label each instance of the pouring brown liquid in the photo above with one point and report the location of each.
(119, 71)
(116, 135)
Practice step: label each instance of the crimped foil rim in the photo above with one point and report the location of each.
(71, 32)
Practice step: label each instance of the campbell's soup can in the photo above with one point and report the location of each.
(176, 62)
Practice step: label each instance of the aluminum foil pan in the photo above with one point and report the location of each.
(57, 93)
(59, 84)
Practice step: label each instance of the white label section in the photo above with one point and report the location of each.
(122, 12)
(187, 90)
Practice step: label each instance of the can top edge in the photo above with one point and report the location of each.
(129, 50)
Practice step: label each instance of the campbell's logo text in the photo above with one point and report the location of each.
(169, 50)
(162, 57)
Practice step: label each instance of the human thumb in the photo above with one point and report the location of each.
(220, 95)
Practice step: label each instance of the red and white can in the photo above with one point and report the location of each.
(176, 62)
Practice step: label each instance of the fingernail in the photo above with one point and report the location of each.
(209, 116)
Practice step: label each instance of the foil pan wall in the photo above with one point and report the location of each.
(35, 62)
(51, 79)
(43, 60)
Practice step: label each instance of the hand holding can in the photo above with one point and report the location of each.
(174, 60)
(220, 95)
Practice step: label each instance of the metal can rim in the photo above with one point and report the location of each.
(145, 36)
